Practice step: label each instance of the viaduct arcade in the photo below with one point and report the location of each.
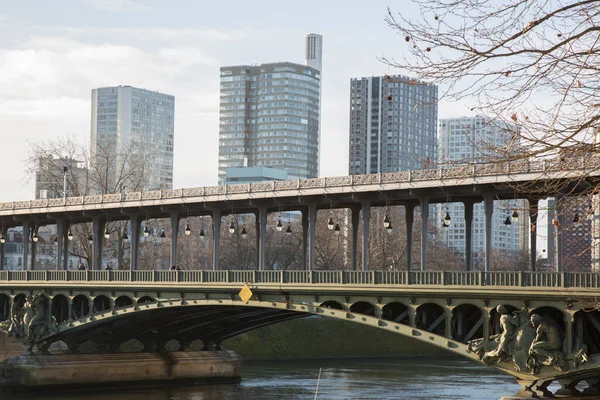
(411, 189)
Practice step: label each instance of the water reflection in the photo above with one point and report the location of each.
(446, 378)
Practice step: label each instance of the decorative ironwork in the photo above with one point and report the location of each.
(366, 179)
(111, 198)
(133, 196)
(171, 193)
(22, 204)
(153, 195)
(312, 183)
(39, 203)
(93, 199)
(283, 185)
(238, 188)
(392, 177)
(193, 192)
(424, 175)
(214, 190)
(56, 202)
(338, 181)
(74, 201)
(460, 172)
(262, 187)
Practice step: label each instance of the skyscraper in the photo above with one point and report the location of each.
(393, 124)
(130, 124)
(472, 139)
(269, 116)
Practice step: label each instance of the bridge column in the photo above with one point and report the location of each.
(98, 227)
(262, 235)
(355, 224)
(410, 217)
(33, 248)
(65, 246)
(216, 216)
(412, 316)
(305, 239)
(136, 224)
(533, 213)
(60, 236)
(448, 322)
(485, 315)
(469, 233)
(568, 318)
(174, 232)
(488, 201)
(312, 224)
(366, 210)
(26, 234)
(2, 251)
(559, 233)
(424, 204)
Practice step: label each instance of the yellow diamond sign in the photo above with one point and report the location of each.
(245, 294)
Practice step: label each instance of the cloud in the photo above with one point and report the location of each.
(116, 5)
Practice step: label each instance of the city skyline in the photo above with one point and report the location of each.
(50, 65)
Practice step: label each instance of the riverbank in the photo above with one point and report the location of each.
(321, 338)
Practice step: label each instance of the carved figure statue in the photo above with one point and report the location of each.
(30, 322)
(547, 346)
(511, 345)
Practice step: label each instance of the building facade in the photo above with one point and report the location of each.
(393, 124)
(314, 51)
(60, 177)
(473, 140)
(269, 116)
(132, 125)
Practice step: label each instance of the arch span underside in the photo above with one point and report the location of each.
(111, 318)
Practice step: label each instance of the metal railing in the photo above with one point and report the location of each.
(390, 278)
(472, 171)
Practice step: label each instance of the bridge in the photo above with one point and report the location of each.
(359, 193)
(456, 311)
(450, 310)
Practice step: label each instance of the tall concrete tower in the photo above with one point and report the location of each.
(314, 51)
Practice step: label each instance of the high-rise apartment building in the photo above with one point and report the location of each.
(130, 124)
(393, 124)
(270, 117)
(471, 140)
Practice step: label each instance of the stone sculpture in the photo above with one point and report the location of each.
(547, 346)
(30, 322)
(527, 341)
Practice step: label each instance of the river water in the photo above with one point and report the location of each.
(445, 378)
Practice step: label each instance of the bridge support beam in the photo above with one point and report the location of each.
(305, 260)
(424, 204)
(355, 224)
(559, 233)
(174, 235)
(262, 234)
(33, 248)
(312, 224)
(98, 226)
(366, 217)
(2, 266)
(61, 230)
(136, 224)
(26, 234)
(409, 217)
(488, 201)
(533, 213)
(469, 233)
(216, 216)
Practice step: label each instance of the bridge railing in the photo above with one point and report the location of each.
(392, 278)
(514, 167)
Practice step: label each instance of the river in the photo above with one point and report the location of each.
(427, 379)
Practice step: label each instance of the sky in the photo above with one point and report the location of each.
(53, 53)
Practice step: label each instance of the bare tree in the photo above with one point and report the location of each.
(529, 62)
(64, 167)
